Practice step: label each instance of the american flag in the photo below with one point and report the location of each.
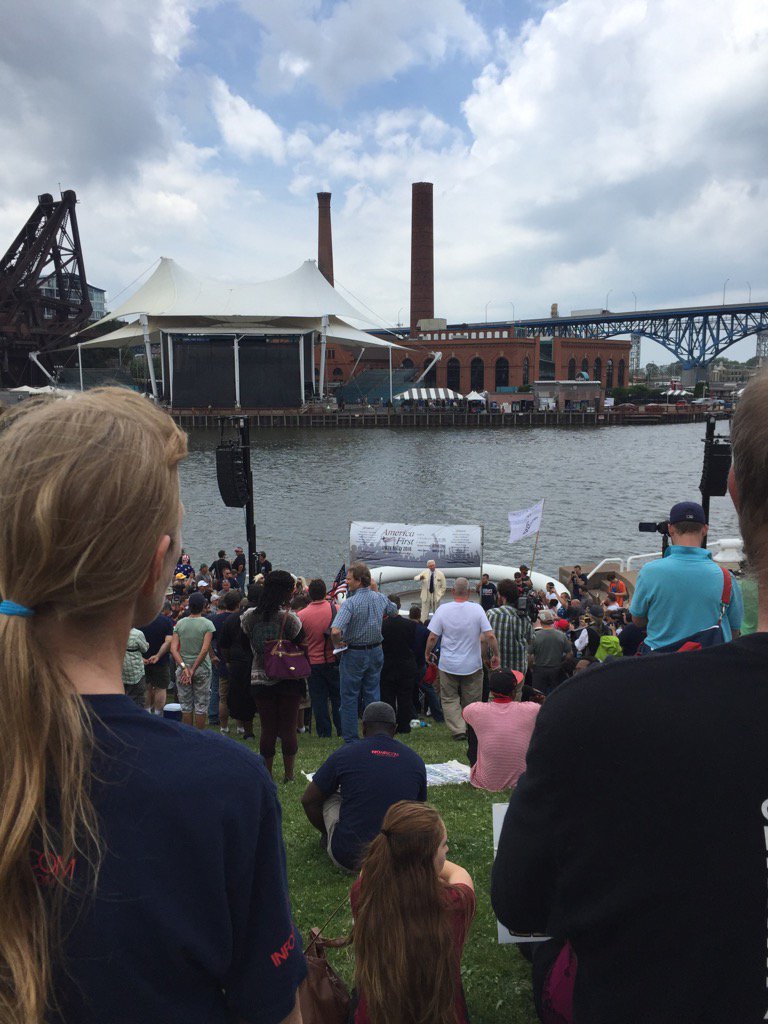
(339, 588)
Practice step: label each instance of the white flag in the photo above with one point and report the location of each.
(526, 522)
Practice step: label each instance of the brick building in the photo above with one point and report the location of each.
(490, 357)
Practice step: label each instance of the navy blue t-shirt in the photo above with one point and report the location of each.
(158, 629)
(191, 922)
(372, 774)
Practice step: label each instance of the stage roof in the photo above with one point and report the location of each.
(174, 292)
(177, 302)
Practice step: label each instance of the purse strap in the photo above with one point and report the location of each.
(332, 943)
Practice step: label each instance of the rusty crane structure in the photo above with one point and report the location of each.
(43, 289)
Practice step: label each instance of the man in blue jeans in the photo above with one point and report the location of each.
(316, 620)
(357, 628)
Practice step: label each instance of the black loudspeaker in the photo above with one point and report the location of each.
(717, 465)
(230, 476)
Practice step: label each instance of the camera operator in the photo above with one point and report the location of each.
(684, 595)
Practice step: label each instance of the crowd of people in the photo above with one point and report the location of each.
(142, 865)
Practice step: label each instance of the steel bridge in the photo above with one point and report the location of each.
(695, 335)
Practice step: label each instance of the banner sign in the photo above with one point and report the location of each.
(405, 544)
(526, 522)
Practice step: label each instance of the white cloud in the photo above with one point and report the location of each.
(247, 130)
(342, 47)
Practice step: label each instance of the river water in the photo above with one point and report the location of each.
(598, 483)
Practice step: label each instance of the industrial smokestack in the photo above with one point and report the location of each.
(422, 255)
(324, 237)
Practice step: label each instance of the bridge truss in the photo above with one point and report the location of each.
(43, 290)
(695, 336)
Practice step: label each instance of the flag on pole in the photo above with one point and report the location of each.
(526, 522)
(339, 588)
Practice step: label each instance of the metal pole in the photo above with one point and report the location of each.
(313, 363)
(170, 366)
(80, 361)
(236, 351)
(148, 351)
(536, 542)
(162, 366)
(301, 370)
(708, 443)
(323, 345)
(250, 526)
(391, 401)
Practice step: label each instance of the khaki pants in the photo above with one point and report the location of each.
(428, 606)
(455, 693)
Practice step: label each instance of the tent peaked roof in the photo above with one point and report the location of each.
(172, 291)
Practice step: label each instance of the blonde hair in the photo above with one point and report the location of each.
(79, 478)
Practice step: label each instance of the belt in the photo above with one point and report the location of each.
(363, 647)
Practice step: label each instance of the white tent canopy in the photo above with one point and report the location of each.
(475, 396)
(172, 292)
(133, 334)
(429, 394)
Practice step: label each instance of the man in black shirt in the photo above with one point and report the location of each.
(238, 568)
(639, 832)
(487, 592)
(218, 567)
(263, 565)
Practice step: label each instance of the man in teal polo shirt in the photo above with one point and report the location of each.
(681, 594)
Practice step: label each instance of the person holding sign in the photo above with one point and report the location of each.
(433, 589)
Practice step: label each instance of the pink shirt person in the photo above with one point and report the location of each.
(504, 728)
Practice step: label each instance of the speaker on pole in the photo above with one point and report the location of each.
(717, 465)
(231, 475)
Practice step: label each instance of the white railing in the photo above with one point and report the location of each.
(636, 559)
(606, 561)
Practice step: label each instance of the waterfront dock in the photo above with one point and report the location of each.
(316, 418)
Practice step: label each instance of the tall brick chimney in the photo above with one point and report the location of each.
(324, 237)
(422, 255)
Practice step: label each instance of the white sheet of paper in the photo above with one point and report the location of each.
(505, 936)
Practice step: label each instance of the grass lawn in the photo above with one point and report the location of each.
(496, 978)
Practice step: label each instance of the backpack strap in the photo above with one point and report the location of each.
(725, 597)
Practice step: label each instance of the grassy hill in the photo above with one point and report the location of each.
(496, 978)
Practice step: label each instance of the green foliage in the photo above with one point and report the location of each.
(496, 978)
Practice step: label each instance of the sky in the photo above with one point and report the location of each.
(593, 153)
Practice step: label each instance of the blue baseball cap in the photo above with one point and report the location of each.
(687, 512)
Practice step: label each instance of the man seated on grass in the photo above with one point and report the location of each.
(372, 774)
(503, 728)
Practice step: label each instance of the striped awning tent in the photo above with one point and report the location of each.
(429, 394)
(676, 393)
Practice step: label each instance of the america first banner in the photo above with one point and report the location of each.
(413, 545)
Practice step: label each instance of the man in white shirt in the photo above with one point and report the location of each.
(461, 627)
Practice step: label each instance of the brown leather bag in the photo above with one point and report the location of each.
(323, 996)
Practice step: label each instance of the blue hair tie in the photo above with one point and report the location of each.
(11, 608)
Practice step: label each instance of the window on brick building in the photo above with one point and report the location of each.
(430, 381)
(585, 366)
(476, 374)
(474, 334)
(407, 364)
(609, 374)
(526, 371)
(502, 373)
(571, 369)
(453, 375)
(598, 375)
(622, 371)
(338, 373)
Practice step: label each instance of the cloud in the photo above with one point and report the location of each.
(247, 130)
(340, 48)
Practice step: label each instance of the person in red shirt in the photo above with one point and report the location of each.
(316, 619)
(412, 912)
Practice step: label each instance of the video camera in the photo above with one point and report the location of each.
(662, 527)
